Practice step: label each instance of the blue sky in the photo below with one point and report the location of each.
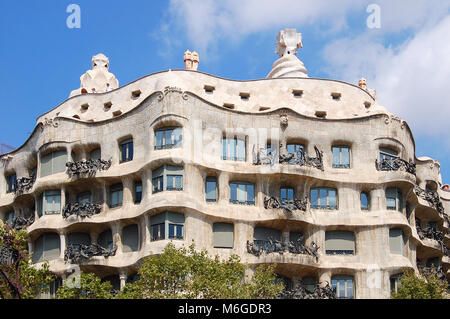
(407, 59)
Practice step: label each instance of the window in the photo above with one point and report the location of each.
(286, 193)
(53, 163)
(296, 149)
(130, 238)
(394, 199)
(294, 237)
(52, 202)
(126, 150)
(365, 202)
(46, 247)
(167, 225)
(137, 192)
(233, 149)
(170, 137)
(309, 283)
(211, 189)
(223, 235)
(78, 239)
(395, 281)
(434, 262)
(343, 285)
(95, 154)
(396, 241)
(174, 182)
(341, 157)
(242, 193)
(115, 195)
(339, 242)
(105, 239)
(387, 154)
(9, 217)
(324, 198)
(83, 198)
(11, 183)
(49, 291)
(167, 177)
(262, 236)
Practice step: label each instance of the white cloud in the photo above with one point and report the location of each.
(205, 23)
(411, 79)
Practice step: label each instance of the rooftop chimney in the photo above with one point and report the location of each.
(191, 60)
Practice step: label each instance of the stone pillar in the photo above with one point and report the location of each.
(123, 280)
(105, 196)
(117, 239)
(128, 190)
(146, 185)
(94, 237)
(324, 277)
(62, 236)
(145, 226)
(63, 198)
(36, 207)
(224, 188)
(377, 199)
(285, 236)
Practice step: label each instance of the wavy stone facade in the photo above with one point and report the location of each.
(208, 110)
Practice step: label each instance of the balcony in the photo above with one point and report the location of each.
(299, 158)
(82, 210)
(8, 256)
(87, 168)
(432, 197)
(242, 202)
(395, 164)
(289, 205)
(24, 184)
(20, 222)
(301, 292)
(272, 246)
(75, 253)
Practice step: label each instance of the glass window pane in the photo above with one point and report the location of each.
(283, 194)
(179, 182)
(232, 149)
(241, 193)
(336, 156)
(179, 231)
(168, 137)
(159, 138)
(342, 288)
(323, 197)
(178, 136)
(210, 190)
(364, 201)
(241, 150)
(250, 193)
(224, 148)
(233, 192)
(314, 198)
(345, 155)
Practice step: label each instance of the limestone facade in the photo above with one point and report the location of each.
(245, 116)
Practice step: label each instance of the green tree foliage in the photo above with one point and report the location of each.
(20, 279)
(413, 287)
(187, 273)
(90, 287)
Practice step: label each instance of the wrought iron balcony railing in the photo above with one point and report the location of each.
(301, 292)
(82, 210)
(271, 246)
(298, 158)
(240, 202)
(76, 253)
(8, 256)
(432, 197)
(87, 168)
(289, 205)
(21, 222)
(395, 164)
(24, 184)
(433, 271)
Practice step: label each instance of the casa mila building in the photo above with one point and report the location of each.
(311, 174)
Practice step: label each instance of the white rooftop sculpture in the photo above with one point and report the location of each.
(99, 79)
(288, 65)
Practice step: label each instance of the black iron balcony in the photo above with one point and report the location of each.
(8, 256)
(289, 205)
(76, 253)
(431, 233)
(242, 202)
(432, 270)
(21, 222)
(301, 292)
(82, 210)
(271, 246)
(87, 168)
(395, 164)
(298, 158)
(24, 184)
(432, 197)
